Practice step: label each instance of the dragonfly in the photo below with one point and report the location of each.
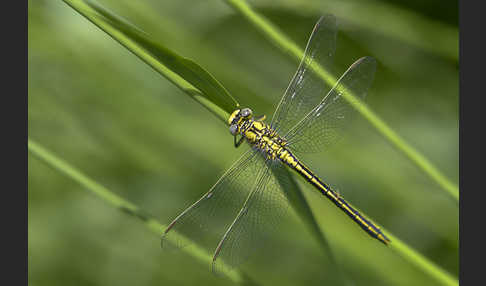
(247, 200)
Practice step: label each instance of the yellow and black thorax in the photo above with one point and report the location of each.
(257, 133)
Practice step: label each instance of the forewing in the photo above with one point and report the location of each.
(324, 124)
(207, 219)
(306, 88)
(260, 214)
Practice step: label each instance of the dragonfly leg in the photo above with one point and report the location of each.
(237, 144)
(261, 118)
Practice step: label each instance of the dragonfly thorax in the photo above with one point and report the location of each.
(256, 132)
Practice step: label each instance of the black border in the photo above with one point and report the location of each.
(14, 23)
(472, 50)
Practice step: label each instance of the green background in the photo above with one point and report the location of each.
(103, 110)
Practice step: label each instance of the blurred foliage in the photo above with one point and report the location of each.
(106, 112)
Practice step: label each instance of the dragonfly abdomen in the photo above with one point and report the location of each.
(290, 160)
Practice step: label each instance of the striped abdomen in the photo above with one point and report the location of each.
(290, 160)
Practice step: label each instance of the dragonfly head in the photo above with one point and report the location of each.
(237, 118)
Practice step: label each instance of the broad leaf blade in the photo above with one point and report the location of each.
(183, 67)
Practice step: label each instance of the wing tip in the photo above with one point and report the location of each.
(367, 59)
(326, 18)
(215, 267)
(163, 237)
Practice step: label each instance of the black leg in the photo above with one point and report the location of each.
(261, 118)
(237, 144)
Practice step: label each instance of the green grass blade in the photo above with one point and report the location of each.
(422, 262)
(289, 47)
(441, 38)
(183, 72)
(127, 207)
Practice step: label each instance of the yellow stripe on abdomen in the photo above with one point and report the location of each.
(373, 230)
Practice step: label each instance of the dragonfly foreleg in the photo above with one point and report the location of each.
(237, 144)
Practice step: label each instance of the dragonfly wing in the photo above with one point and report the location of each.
(306, 88)
(261, 213)
(207, 219)
(324, 124)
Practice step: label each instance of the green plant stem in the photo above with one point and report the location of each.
(442, 39)
(127, 207)
(290, 48)
(422, 262)
(94, 17)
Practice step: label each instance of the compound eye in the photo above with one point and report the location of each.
(245, 112)
(233, 129)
